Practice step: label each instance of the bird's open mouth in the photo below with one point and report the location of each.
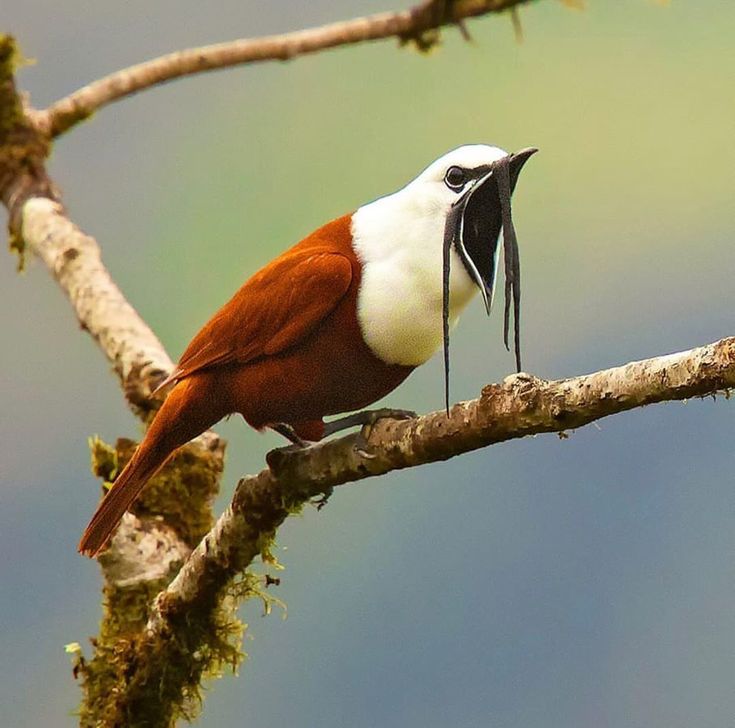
(473, 228)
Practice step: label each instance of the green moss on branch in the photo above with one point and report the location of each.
(23, 149)
(129, 676)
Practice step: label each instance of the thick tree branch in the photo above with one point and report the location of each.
(145, 553)
(522, 405)
(406, 25)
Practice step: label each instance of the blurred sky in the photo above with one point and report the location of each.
(584, 582)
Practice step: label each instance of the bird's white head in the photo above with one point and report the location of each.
(436, 190)
(442, 227)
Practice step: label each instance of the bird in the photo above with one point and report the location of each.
(340, 319)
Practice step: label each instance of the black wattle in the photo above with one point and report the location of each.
(451, 228)
(512, 259)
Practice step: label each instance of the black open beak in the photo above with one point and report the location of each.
(473, 228)
(478, 226)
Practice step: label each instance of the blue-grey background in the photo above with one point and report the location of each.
(584, 582)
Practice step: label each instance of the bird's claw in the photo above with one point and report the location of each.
(362, 445)
(275, 458)
(323, 499)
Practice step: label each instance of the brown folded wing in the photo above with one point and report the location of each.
(273, 311)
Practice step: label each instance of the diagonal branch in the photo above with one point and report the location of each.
(411, 24)
(521, 405)
(75, 261)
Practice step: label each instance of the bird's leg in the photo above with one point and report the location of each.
(290, 434)
(366, 419)
(278, 455)
(275, 456)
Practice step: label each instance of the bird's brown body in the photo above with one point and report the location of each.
(287, 348)
(340, 319)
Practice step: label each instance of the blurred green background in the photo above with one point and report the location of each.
(584, 582)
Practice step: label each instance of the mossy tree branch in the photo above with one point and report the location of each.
(150, 547)
(187, 617)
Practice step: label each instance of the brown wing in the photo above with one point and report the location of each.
(274, 310)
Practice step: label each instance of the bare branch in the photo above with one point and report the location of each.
(75, 261)
(406, 25)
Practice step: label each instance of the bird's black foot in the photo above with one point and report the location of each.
(367, 419)
(290, 434)
(276, 457)
(321, 500)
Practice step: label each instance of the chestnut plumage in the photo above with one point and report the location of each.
(339, 320)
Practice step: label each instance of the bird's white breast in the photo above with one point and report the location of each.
(399, 306)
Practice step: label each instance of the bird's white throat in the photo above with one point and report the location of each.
(399, 240)
(399, 307)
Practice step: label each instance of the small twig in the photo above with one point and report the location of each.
(411, 23)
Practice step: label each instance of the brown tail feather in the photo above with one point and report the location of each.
(186, 413)
(141, 468)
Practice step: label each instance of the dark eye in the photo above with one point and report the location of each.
(455, 178)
